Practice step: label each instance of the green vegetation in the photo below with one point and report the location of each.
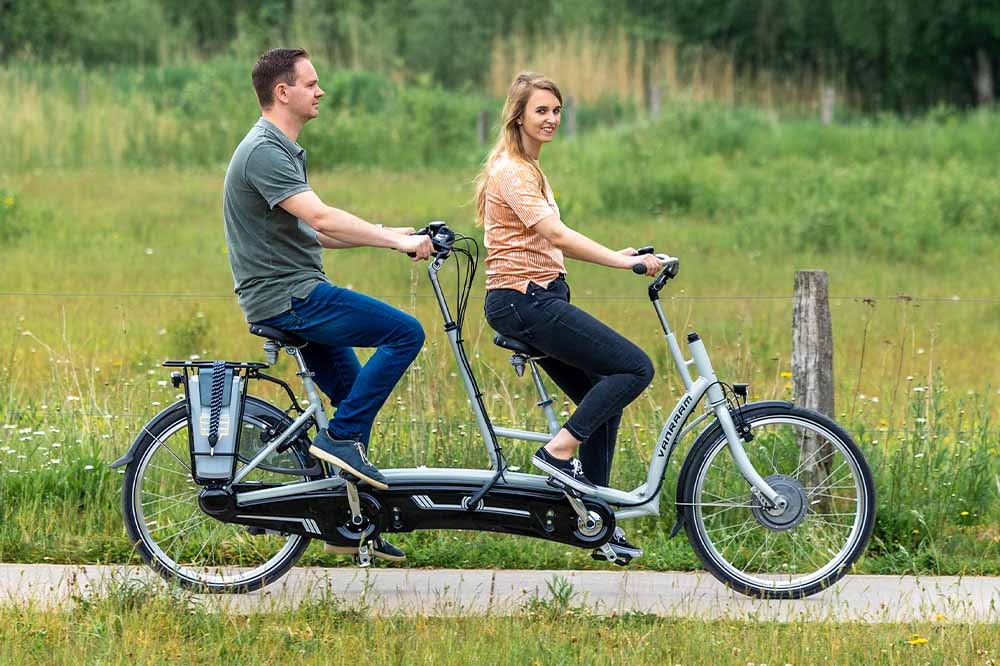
(134, 626)
(745, 198)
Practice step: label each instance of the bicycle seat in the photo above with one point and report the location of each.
(279, 336)
(516, 346)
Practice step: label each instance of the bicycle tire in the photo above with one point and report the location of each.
(203, 571)
(812, 547)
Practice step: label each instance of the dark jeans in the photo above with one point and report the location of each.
(334, 320)
(599, 370)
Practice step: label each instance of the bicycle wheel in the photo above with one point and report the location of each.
(170, 531)
(789, 553)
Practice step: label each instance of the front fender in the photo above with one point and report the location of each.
(710, 434)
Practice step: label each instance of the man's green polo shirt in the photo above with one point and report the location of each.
(273, 254)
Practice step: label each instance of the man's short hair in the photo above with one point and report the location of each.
(274, 66)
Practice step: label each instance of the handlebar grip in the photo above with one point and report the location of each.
(423, 231)
(639, 269)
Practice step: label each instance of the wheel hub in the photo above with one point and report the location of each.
(782, 518)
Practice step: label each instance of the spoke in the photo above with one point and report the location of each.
(161, 510)
(750, 525)
(817, 462)
(840, 497)
(150, 493)
(767, 536)
(208, 540)
(727, 500)
(802, 549)
(816, 518)
(834, 471)
(170, 471)
(189, 524)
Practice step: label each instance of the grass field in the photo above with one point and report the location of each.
(117, 261)
(133, 627)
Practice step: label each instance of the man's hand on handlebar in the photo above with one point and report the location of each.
(418, 247)
(403, 231)
(646, 264)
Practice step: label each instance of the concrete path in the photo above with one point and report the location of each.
(454, 592)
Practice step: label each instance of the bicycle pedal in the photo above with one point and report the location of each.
(364, 555)
(605, 553)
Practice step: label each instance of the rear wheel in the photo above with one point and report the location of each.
(165, 522)
(780, 553)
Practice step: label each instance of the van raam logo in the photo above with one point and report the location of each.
(675, 420)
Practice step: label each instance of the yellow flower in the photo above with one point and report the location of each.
(917, 639)
(785, 374)
(964, 513)
(8, 200)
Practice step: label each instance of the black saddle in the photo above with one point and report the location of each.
(279, 336)
(517, 346)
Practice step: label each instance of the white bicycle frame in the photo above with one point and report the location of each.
(642, 501)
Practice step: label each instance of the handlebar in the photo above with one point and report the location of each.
(441, 238)
(671, 265)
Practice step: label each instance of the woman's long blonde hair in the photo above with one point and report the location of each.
(509, 139)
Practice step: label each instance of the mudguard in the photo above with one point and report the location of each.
(254, 406)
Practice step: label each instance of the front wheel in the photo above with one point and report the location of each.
(165, 522)
(784, 553)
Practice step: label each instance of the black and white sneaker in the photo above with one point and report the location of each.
(349, 456)
(568, 472)
(381, 549)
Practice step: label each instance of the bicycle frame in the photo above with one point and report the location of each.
(642, 501)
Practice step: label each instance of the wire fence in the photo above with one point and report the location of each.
(906, 298)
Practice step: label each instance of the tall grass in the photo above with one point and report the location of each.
(595, 66)
(133, 626)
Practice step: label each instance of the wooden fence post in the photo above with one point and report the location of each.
(827, 102)
(812, 365)
(655, 101)
(483, 127)
(569, 116)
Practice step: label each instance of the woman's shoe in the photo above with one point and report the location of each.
(568, 472)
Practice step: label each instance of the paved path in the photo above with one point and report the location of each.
(453, 592)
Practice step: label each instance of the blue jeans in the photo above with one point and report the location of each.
(334, 320)
(600, 370)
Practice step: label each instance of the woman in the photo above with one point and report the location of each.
(527, 297)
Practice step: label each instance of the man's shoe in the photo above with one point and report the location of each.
(381, 549)
(349, 456)
(568, 472)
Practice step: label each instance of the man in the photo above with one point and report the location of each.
(276, 228)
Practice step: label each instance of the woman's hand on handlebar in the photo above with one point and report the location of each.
(650, 263)
(418, 247)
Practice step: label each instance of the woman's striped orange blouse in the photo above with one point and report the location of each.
(516, 254)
